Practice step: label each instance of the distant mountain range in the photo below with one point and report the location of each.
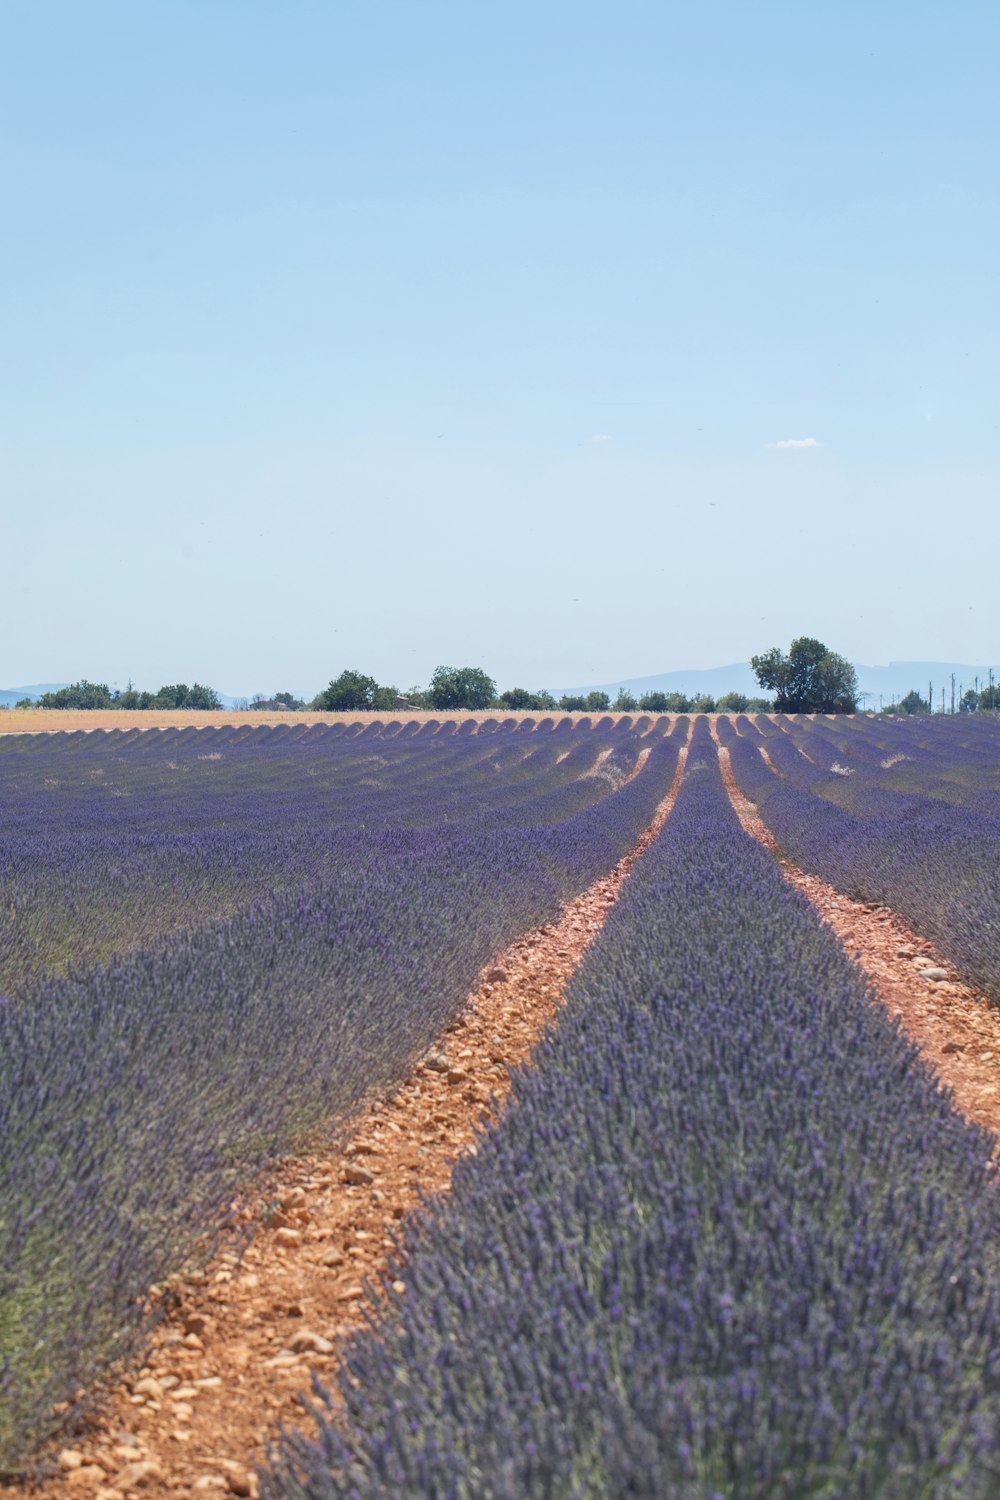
(888, 683)
(10, 696)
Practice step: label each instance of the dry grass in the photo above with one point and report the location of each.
(38, 720)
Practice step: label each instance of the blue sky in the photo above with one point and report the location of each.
(388, 335)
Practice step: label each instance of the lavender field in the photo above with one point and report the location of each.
(729, 1238)
(211, 941)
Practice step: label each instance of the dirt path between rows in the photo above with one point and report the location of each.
(239, 1348)
(955, 1026)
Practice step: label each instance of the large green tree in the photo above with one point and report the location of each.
(461, 687)
(810, 679)
(348, 693)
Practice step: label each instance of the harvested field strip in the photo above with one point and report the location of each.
(728, 1238)
(55, 721)
(955, 1025)
(240, 1341)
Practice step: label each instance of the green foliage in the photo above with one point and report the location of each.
(625, 703)
(522, 701)
(910, 703)
(179, 695)
(810, 679)
(82, 694)
(348, 693)
(593, 703)
(461, 687)
(732, 703)
(669, 703)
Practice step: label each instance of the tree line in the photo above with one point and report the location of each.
(971, 701)
(809, 678)
(84, 694)
(471, 688)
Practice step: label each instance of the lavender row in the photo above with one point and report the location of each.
(106, 845)
(932, 861)
(136, 1096)
(954, 760)
(728, 1239)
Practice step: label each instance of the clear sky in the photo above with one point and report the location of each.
(392, 334)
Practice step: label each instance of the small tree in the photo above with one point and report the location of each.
(910, 703)
(810, 679)
(625, 703)
(461, 687)
(598, 703)
(572, 703)
(732, 703)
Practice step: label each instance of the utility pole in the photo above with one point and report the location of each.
(953, 692)
(930, 697)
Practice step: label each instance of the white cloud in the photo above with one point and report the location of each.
(795, 443)
(601, 437)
